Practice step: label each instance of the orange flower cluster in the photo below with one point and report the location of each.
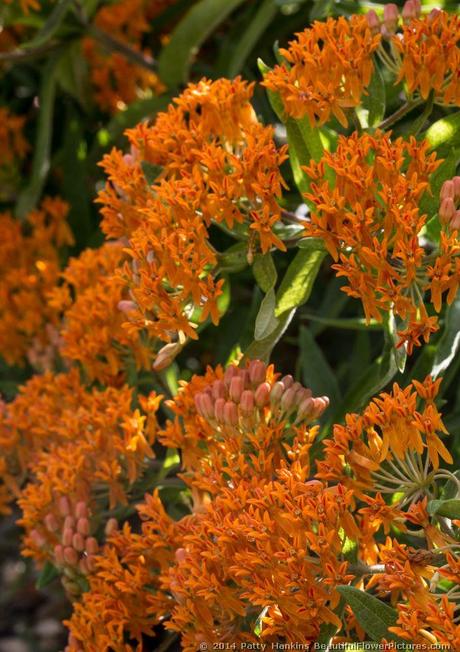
(232, 424)
(117, 80)
(92, 330)
(429, 56)
(29, 267)
(327, 69)
(78, 452)
(216, 163)
(370, 222)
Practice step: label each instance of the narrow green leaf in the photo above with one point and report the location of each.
(400, 353)
(445, 131)
(194, 28)
(449, 343)
(266, 321)
(312, 138)
(41, 159)
(241, 50)
(51, 25)
(316, 372)
(429, 203)
(297, 284)
(374, 102)
(264, 271)
(261, 349)
(374, 616)
(48, 573)
(448, 508)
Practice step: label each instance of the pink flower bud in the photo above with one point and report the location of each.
(67, 536)
(303, 394)
(456, 182)
(91, 563)
(230, 413)
(277, 392)
(64, 506)
(236, 388)
(218, 389)
(51, 523)
(181, 554)
(38, 538)
(81, 510)
(411, 10)
(126, 306)
(320, 404)
(306, 409)
(83, 565)
(373, 21)
(247, 403)
(257, 371)
(446, 210)
(287, 381)
(447, 190)
(78, 542)
(262, 395)
(391, 17)
(69, 522)
(59, 554)
(204, 406)
(111, 526)
(70, 556)
(92, 546)
(288, 399)
(455, 221)
(166, 355)
(219, 409)
(230, 372)
(83, 526)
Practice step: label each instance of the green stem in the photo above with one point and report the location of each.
(350, 324)
(114, 45)
(406, 108)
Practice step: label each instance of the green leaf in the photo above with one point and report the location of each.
(266, 321)
(234, 259)
(72, 75)
(374, 616)
(316, 372)
(241, 50)
(297, 284)
(374, 102)
(41, 159)
(429, 203)
(312, 138)
(448, 508)
(51, 25)
(150, 171)
(400, 353)
(176, 58)
(449, 343)
(264, 271)
(261, 349)
(48, 573)
(445, 131)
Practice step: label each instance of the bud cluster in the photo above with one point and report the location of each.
(67, 538)
(245, 397)
(389, 24)
(449, 209)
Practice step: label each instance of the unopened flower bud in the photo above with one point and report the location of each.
(373, 21)
(126, 306)
(64, 506)
(181, 554)
(411, 10)
(111, 526)
(69, 522)
(51, 523)
(277, 392)
(219, 409)
(262, 395)
(67, 536)
(446, 210)
(91, 563)
(78, 542)
(456, 182)
(218, 389)
(390, 17)
(288, 399)
(166, 355)
(83, 565)
(434, 13)
(204, 406)
(287, 381)
(447, 190)
(38, 538)
(230, 372)
(236, 388)
(306, 409)
(320, 404)
(81, 509)
(91, 546)
(83, 526)
(70, 556)
(455, 221)
(230, 413)
(247, 403)
(257, 372)
(59, 554)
